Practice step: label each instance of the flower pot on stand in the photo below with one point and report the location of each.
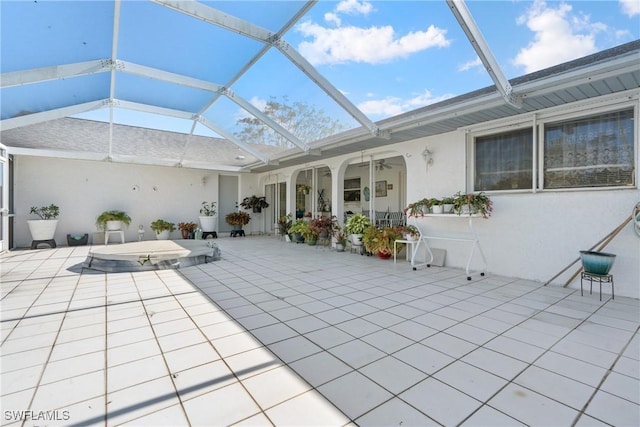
(114, 225)
(208, 223)
(42, 229)
(599, 263)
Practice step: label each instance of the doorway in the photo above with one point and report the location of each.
(227, 200)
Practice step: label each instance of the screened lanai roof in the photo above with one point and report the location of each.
(175, 83)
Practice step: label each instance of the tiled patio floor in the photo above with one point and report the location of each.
(285, 334)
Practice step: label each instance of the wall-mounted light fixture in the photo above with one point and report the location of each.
(427, 155)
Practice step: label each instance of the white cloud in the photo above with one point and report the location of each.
(560, 36)
(471, 64)
(630, 7)
(372, 45)
(392, 105)
(354, 7)
(333, 18)
(257, 102)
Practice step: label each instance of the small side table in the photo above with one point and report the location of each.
(213, 234)
(235, 233)
(409, 254)
(600, 278)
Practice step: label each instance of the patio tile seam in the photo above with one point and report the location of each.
(604, 378)
(52, 347)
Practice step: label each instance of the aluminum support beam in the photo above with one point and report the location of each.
(468, 25)
(44, 116)
(37, 75)
(247, 29)
(153, 73)
(233, 139)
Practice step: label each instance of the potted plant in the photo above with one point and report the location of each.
(284, 225)
(45, 227)
(187, 229)
(303, 188)
(355, 226)
(238, 219)
(341, 239)
(447, 203)
(436, 206)
(410, 232)
(418, 208)
(297, 229)
(381, 240)
(254, 202)
(208, 216)
(471, 204)
(310, 233)
(112, 220)
(325, 225)
(162, 228)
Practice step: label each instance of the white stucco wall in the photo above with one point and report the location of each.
(84, 189)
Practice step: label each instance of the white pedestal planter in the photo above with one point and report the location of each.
(208, 223)
(42, 229)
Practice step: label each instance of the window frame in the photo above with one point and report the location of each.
(537, 122)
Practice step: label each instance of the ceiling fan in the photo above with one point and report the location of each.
(379, 165)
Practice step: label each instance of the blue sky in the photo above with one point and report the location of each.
(390, 57)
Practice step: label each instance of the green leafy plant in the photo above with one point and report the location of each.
(208, 209)
(299, 227)
(410, 230)
(284, 224)
(381, 240)
(160, 225)
(418, 208)
(357, 224)
(254, 202)
(238, 218)
(46, 212)
(478, 202)
(113, 215)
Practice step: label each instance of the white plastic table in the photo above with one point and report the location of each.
(413, 243)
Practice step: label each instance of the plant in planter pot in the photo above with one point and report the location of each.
(355, 226)
(112, 220)
(208, 216)
(311, 233)
(162, 228)
(284, 224)
(325, 225)
(298, 229)
(381, 240)
(436, 206)
(410, 232)
(418, 208)
(238, 219)
(45, 227)
(255, 203)
(187, 229)
(471, 204)
(341, 239)
(447, 204)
